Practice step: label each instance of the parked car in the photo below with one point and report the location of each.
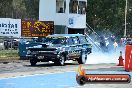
(11, 44)
(59, 48)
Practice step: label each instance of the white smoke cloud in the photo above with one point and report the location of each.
(98, 57)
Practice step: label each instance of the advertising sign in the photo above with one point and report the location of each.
(37, 28)
(10, 27)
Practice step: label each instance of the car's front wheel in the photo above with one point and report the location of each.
(33, 62)
(60, 61)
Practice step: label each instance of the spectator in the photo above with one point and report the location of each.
(6, 45)
(61, 10)
(115, 45)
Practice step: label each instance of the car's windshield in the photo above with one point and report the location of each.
(47, 40)
(54, 40)
(58, 41)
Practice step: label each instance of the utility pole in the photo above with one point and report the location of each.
(125, 19)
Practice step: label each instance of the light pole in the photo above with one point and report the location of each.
(125, 19)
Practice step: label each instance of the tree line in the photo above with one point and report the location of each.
(102, 15)
(23, 9)
(109, 16)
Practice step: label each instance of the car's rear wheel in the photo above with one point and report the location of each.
(33, 62)
(82, 59)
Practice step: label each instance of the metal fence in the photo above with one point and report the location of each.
(9, 47)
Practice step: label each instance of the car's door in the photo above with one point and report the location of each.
(71, 48)
(78, 47)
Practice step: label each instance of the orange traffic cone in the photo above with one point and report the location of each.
(81, 70)
(120, 60)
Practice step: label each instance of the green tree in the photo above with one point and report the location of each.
(106, 15)
(19, 9)
(6, 8)
(32, 8)
(24, 9)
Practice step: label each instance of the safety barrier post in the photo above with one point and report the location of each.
(128, 58)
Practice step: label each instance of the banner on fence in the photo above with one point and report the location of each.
(10, 27)
(36, 28)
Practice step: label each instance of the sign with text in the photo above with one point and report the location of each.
(37, 28)
(10, 27)
(82, 77)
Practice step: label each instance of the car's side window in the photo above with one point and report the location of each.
(82, 40)
(75, 40)
(70, 41)
(86, 40)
